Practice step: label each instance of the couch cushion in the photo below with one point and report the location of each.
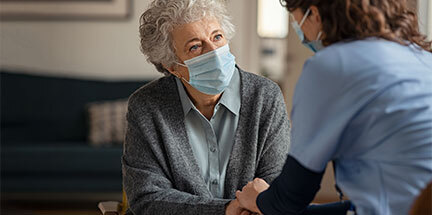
(51, 109)
(60, 158)
(61, 183)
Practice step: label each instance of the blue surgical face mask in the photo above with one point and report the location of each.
(315, 45)
(211, 72)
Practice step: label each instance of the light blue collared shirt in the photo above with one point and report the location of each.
(367, 105)
(212, 140)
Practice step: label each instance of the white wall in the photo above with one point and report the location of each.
(102, 49)
(245, 44)
(424, 8)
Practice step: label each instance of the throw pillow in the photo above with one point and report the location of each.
(107, 122)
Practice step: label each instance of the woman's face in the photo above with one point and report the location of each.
(194, 39)
(312, 25)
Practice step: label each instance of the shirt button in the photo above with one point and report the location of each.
(215, 182)
(212, 149)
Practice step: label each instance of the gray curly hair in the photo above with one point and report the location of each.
(157, 22)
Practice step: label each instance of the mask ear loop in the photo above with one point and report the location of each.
(305, 17)
(319, 35)
(178, 75)
(180, 64)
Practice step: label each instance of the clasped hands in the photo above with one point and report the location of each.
(245, 202)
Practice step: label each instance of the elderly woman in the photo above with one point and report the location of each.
(204, 130)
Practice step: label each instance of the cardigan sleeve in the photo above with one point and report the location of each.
(148, 187)
(276, 139)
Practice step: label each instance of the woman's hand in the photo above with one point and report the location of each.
(247, 197)
(233, 208)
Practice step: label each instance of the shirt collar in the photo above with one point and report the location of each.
(184, 98)
(230, 98)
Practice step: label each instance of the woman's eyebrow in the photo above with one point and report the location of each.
(216, 31)
(191, 40)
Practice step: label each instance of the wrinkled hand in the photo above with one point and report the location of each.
(247, 197)
(234, 208)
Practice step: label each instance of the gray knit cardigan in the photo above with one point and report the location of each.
(160, 172)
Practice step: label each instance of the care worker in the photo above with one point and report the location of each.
(363, 101)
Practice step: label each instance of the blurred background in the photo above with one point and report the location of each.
(67, 68)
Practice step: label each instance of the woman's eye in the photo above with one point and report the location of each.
(218, 37)
(193, 48)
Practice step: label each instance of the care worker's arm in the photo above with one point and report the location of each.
(288, 194)
(149, 188)
(321, 111)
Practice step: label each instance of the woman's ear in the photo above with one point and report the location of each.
(315, 15)
(171, 70)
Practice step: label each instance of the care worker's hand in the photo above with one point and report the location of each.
(234, 208)
(247, 197)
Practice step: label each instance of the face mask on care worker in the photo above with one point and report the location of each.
(315, 45)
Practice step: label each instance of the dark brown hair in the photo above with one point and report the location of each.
(358, 19)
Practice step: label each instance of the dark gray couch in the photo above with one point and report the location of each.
(44, 145)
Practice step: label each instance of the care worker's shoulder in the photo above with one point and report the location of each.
(327, 59)
(335, 62)
(151, 94)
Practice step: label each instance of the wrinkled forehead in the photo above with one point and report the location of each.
(200, 30)
(190, 29)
